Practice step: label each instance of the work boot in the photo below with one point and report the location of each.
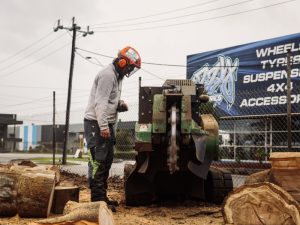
(112, 208)
(111, 202)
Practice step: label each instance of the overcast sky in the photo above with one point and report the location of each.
(34, 60)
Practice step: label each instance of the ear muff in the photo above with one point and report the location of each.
(122, 63)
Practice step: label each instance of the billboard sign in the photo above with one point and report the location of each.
(250, 79)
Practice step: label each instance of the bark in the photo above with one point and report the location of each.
(288, 179)
(8, 192)
(35, 194)
(285, 160)
(261, 204)
(263, 176)
(27, 191)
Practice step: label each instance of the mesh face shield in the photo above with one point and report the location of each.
(130, 73)
(133, 57)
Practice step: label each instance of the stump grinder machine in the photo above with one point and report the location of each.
(175, 147)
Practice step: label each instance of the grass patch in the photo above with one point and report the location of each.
(58, 161)
(128, 155)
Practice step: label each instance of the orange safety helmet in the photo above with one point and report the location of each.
(129, 60)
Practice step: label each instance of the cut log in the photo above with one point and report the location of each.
(261, 204)
(35, 194)
(62, 195)
(8, 192)
(285, 172)
(285, 160)
(75, 212)
(263, 176)
(289, 180)
(26, 191)
(39, 169)
(80, 222)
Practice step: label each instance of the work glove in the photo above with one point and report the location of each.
(122, 106)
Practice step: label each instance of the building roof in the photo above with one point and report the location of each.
(9, 119)
(76, 128)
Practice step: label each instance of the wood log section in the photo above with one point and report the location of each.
(81, 222)
(285, 172)
(261, 204)
(35, 194)
(27, 191)
(63, 194)
(80, 213)
(8, 192)
(285, 160)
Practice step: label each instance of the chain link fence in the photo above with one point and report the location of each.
(245, 143)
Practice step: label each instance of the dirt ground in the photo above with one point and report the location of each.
(164, 214)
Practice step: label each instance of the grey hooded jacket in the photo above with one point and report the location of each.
(104, 97)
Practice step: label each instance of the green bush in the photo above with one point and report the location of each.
(124, 140)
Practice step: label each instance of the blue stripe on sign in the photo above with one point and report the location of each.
(34, 135)
(25, 140)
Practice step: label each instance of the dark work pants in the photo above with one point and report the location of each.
(101, 154)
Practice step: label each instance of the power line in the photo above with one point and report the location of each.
(196, 21)
(146, 71)
(63, 111)
(81, 56)
(37, 101)
(158, 14)
(152, 74)
(32, 53)
(40, 59)
(111, 57)
(95, 53)
(177, 17)
(24, 103)
(22, 50)
(38, 87)
(14, 96)
(50, 105)
(153, 63)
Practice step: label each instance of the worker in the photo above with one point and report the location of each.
(100, 116)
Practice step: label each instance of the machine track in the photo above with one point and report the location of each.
(218, 184)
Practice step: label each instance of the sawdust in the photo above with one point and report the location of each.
(188, 213)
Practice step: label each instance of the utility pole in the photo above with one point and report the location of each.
(289, 108)
(74, 28)
(54, 131)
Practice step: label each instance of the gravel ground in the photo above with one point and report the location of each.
(191, 213)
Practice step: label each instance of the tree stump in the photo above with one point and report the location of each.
(285, 172)
(261, 204)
